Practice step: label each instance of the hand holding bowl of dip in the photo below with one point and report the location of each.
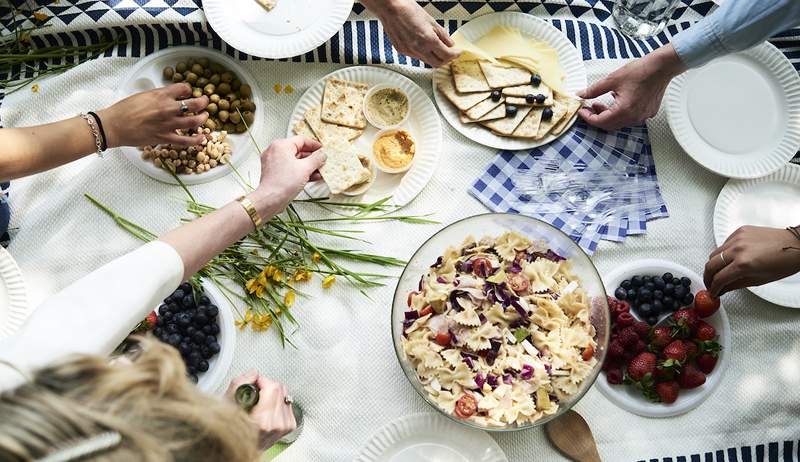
(386, 106)
(394, 150)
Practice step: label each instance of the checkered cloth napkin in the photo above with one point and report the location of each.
(579, 149)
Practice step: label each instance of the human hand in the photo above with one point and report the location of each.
(752, 256)
(272, 415)
(286, 166)
(637, 87)
(151, 117)
(413, 31)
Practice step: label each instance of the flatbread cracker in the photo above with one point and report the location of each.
(482, 108)
(525, 90)
(504, 76)
(462, 101)
(507, 125)
(267, 4)
(497, 113)
(572, 105)
(343, 103)
(559, 111)
(342, 168)
(303, 129)
(468, 77)
(529, 127)
(329, 133)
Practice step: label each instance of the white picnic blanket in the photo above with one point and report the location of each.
(344, 371)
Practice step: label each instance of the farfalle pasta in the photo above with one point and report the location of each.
(499, 332)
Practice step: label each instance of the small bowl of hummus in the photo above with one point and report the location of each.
(386, 106)
(394, 150)
(361, 188)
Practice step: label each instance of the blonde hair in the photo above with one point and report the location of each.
(160, 415)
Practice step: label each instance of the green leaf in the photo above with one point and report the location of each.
(521, 334)
(497, 277)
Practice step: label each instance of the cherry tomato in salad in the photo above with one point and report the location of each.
(519, 282)
(426, 311)
(443, 338)
(481, 266)
(410, 296)
(466, 406)
(587, 353)
(704, 304)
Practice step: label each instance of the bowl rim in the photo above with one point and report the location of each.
(600, 352)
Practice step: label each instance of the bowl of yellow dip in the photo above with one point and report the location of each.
(386, 106)
(394, 150)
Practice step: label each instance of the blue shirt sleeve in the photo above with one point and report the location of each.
(735, 26)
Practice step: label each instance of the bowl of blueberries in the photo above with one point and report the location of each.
(199, 324)
(655, 296)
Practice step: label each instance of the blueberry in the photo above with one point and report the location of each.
(676, 304)
(650, 285)
(158, 332)
(178, 294)
(195, 346)
(686, 282)
(184, 319)
(199, 337)
(645, 295)
(495, 95)
(212, 311)
(540, 98)
(688, 299)
(652, 320)
(647, 279)
(200, 319)
(202, 366)
(174, 307)
(191, 330)
(668, 301)
(186, 287)
(206, 352)
(185, 348)
(207, 329)
(174, 340)
(632, 295)
(511, 110)
(645, 310)
(680, 292)
(192, 370)
(194, 357)
(204, 300)
(193, 377)
(621, 294)
(658, 295)
(658, 281)
(667, 277)
(669, 289)
(636, 281)
(188, 301)
(171, 328)
(658, 306)
(626, 284)
(210, 339)
(547, 114)
(530, 99)
(214, 348)
(536, 79)
(214, 329)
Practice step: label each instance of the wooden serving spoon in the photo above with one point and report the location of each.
(571, 435)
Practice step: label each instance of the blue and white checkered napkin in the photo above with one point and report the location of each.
(580, 148)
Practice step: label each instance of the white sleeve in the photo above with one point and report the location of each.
(94, 314)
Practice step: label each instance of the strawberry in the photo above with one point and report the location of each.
(614, 376)
(615, 349)
(691, 348)
(706, 362)
(668, 391)
(705, 331)
(628, 337)
(684, 321)
(642, 329)
(641, 365)
(691, 377)
(663, 374)
(675, 350)
(661, 337)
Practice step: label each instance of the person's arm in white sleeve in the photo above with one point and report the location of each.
(94, 314)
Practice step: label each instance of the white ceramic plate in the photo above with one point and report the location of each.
(13, 299)
(568, 56)
(770, 201)
(147, 74)
(630, 399)
(423, 124)
(739, 115)
(292, 28)
(429, 438)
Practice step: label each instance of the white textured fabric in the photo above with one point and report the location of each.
(94, 314)
(344, 371)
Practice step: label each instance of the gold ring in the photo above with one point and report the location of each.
(722, 257)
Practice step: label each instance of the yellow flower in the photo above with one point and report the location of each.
(328, 281)
(262, 322)
(248, 316)
(288, 299)
(316, 257)
(41, 16)
(269, 271)
(260, 291)
(252, 285)
(302, 275)
(242, 323)
(262, 280)
(35, 88)
(277, 275)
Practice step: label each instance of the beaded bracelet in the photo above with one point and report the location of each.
(98, 138)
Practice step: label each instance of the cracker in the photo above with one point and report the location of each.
(559, 111)
(529, 127)
(482, 108)
(572, 106)
(267, 4)
(329, 133)
(303, 129)
(462, 101)
(342, 169)
(524, 90)
(500, 76)
(507, 125)
(343, 103)
(497, 113)
(468, 77)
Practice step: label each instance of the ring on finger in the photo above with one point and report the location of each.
(288, 400)
(722, 257)
(184, 107)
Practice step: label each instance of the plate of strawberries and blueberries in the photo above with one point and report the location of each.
(669, 343)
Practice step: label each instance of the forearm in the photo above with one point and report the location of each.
(735, 26)
(381, 7)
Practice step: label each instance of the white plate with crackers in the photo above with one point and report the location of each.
(276, 28)
(465, 90)
(349, 87)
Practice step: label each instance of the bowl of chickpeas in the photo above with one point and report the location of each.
(234, 115)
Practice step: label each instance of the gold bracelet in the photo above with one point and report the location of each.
(251, 210)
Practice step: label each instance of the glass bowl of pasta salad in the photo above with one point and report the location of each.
(500, 322)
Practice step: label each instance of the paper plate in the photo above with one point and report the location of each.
(423, 124)
(739, 115)
(13, 299)
(568, 56)
(770, 201)
(429, 437)
(147, 74)
(630, 399)
(292, 28)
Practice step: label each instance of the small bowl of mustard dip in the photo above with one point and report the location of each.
(386, 106)
(394, 150)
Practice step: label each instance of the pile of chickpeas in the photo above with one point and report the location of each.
(213, 151)
(230, 107)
